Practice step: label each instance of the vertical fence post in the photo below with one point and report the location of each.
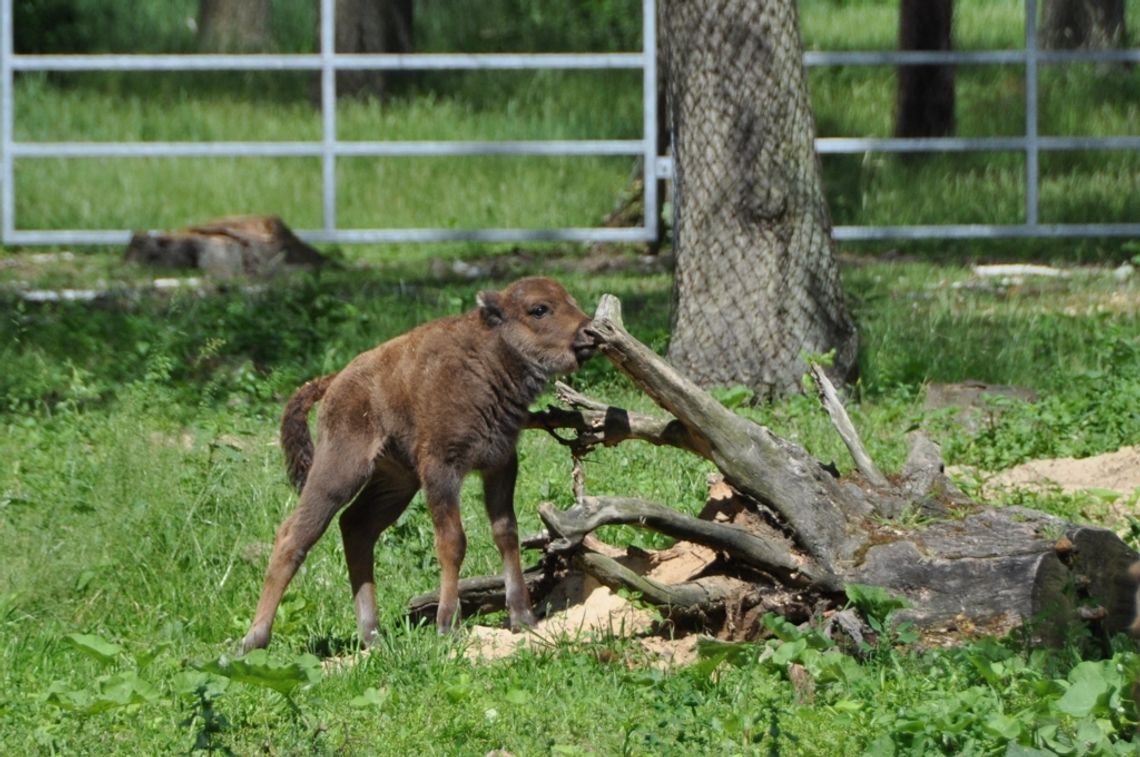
(328, 116)
(1032, 174)
(649, 114)
(7, 170)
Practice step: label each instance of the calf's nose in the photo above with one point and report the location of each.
(585, 342)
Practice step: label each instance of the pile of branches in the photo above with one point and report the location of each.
(786, 533)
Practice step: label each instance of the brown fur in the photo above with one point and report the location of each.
(423, 410)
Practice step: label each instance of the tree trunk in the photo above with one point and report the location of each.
(789, 536)
(233, 25)
(756, 284)
(1082, 24)
(925, 98)
(372, 26)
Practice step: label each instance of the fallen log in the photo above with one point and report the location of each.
(254, 245)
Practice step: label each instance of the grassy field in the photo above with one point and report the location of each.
(1077, 100)
(141, 485)
(141, 489)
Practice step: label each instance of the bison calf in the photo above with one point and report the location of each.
(421, 411)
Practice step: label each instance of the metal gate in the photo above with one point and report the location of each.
(654, 167)
(329, 148)
(1031, 143)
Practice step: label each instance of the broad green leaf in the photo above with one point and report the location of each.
(874, 601)
(127, 688)
(459, 690)
(712, 652)
(789, 652)
(1003, 726)
(1091, 736)
(197, 682)
(517, 696)
(257, 669)
(735, 652)
(94, 646)
(883, 746)
(372, 697)
(78, 699)
(1088, 685)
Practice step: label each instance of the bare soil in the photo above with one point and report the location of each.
(1116, 471)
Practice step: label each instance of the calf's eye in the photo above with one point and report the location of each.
(539, 310)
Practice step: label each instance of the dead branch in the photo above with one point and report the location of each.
(755, 461)
(846, 430)
(766, 554)
(598, 424)
(699, 596)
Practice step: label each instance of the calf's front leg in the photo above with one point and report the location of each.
(499, 495)
(441, 489)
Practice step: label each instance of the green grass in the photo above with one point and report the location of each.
(1087, 187)
(141, 489)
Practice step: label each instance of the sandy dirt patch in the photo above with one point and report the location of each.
(599, 615)
(1117, 471)
(579, 609)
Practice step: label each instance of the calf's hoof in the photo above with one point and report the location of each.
(255, 639)
(521, 621)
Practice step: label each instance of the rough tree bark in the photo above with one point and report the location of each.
(924, 106)
(1082, 24)
(756, 283)
(372, 26)
(791, 534)
(233, 25)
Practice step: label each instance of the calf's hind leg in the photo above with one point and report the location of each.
(337, 475)
(377, 506)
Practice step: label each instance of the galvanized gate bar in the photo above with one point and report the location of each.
(655, 167)
(7, 161)
(984, 231)
(848, 145)
(328, 118)
(317, 149)
(343, 62)
(815, 58)
(327, 62)
(1031, 146)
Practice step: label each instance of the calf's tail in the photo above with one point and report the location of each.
(296, 439)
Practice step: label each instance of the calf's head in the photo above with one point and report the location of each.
(539, 320)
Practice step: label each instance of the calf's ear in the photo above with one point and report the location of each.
(490, 307)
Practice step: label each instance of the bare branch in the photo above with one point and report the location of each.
(702, 595)
(761, 552)
(842, 423)
(771, 470)
(598, 424)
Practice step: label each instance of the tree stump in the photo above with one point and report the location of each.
(790, 534)
(227, 248)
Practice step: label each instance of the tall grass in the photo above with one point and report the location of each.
(142, 486)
